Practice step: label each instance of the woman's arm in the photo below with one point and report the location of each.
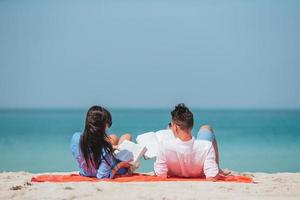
(120, 165)
(105, 170)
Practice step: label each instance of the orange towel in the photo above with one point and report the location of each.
(132, 178)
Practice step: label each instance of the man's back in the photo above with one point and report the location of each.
(193, 158)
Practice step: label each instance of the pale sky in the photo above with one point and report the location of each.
(207, 54)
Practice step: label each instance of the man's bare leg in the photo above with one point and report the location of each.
(215, 145)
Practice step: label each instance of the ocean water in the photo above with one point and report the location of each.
(249, 140)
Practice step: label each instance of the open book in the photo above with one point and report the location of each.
(152, 139)
(129, 151)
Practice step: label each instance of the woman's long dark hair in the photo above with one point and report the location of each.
(94, 138)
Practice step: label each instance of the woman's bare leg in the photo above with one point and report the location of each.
(126, 136)
(113, 139)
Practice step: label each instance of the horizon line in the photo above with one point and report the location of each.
(154, 108)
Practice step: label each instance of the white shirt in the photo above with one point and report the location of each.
(193, 158)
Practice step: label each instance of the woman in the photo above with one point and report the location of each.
(94, 149)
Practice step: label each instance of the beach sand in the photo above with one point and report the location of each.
(17, 185)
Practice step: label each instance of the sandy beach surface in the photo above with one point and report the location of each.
(17, 185)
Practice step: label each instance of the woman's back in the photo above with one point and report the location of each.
(93, 150)
(104, 168)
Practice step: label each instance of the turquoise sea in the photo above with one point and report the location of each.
(249, 140)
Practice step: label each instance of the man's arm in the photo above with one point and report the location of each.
(160, 165)
(211, 169)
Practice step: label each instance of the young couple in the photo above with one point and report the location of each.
(184, 156)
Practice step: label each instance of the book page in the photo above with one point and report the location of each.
(165, 135)
(129, 151)
(149, 140)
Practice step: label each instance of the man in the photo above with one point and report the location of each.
(186, 156)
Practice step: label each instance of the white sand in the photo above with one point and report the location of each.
(17, 185)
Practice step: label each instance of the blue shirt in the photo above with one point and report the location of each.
(105, 167)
